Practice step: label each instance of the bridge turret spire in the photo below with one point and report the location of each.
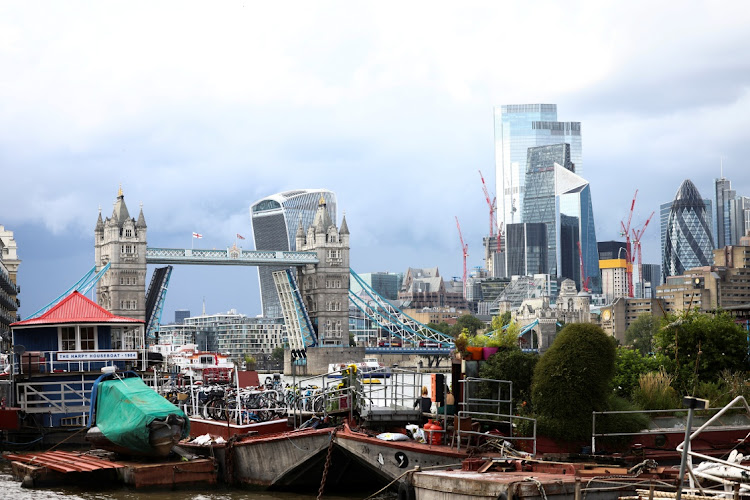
(141, 219)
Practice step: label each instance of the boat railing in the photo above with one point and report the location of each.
(674, 417)
(469, 424)
(45, 362)
(57, 397)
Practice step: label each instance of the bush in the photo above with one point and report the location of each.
(515, 366)
(655, 392)
(571, 380)
(629, 366)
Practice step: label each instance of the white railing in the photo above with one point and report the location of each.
(54, 397)
(45, 362)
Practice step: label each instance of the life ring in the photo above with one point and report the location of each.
(406, 491)
(269, 380)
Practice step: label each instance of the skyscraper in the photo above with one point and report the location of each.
(664, 210)
(688, 242)
(559, 198)
(724, 193)
(275, 220)
(517, 128)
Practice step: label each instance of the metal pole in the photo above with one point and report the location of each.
(685, 447)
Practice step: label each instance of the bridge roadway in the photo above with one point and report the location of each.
(424, 351)
(230, 257)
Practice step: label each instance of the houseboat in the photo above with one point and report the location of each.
(195, 365)
(58, 355)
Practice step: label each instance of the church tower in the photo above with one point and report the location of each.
(325, 286)
(121, 241)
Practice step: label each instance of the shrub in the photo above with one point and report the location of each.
(515, 366)
(655, 392)
(571, 380)
(622, 422)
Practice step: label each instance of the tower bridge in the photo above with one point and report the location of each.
(320, 290)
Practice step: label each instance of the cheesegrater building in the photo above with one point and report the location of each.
(275, 221)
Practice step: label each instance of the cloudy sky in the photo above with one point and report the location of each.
(200, 109)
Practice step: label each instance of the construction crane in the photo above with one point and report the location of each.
(465, 250)
(628, 251)
(584, 283)
(637, 235)
(492, 204)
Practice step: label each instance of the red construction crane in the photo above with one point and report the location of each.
(637, 235)
(584, 283)
(492, 204)
(628, 251)
(465, 250)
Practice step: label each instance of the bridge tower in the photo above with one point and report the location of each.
(325, 286)
(121, 240)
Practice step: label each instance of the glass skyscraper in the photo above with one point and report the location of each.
(275, 220)
(561, 199)
(664, 210)
(519, 127)
(724, 193)
(688, 241)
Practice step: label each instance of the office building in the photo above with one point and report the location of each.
(651, 279)
(424, 287)
(518, 128)
(724, 193)
(526, 249)
(561, 199)
(384, 283)
(275, 220)
(688, 240)
(737, 220)
(617, 317)
(180, 315)
(9, 290)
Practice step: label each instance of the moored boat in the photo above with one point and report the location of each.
(130, 418)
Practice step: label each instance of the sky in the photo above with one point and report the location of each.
(200, 109)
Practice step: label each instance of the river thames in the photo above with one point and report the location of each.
(10, 488)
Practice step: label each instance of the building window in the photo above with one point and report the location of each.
(68, 338)
(128, 233)
(77, 338)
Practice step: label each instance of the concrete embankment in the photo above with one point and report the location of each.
(318, 359)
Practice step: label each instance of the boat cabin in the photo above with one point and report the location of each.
(58, 355)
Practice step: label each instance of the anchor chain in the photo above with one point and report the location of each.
(325, 467)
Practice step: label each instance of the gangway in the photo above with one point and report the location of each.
(394, 320)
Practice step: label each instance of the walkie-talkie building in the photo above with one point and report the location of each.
(688, 242)
(275, 220)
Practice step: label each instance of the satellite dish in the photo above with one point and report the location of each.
(19, 349)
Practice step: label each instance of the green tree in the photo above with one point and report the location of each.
(468, 322)
(572, 379)
(515, 366)
(278, 354)
(698, 346)
(640, 334)
(501, 320)
(629, 366)
(442, 327)
(250, 362)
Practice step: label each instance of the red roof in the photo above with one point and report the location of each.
(75, 308)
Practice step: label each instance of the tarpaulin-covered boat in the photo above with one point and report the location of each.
(129, 417)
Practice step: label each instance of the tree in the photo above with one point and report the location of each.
(698, 346)
(640, 334)
(468, 322)
(278, 354)
(629, 366)
(442, 327)
(501, 320)
(572, 379)
(250, 362)
(512, 365)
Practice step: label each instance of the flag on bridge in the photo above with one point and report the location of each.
(240, 237)
(197, 235)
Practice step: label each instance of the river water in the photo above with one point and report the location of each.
(10, 489)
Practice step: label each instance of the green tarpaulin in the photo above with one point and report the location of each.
(125, 408)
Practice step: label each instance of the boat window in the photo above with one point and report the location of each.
(68, 338)
(88, 339)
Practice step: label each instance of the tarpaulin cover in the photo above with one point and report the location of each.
(125, 408)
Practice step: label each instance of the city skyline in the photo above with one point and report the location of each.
(394, 113)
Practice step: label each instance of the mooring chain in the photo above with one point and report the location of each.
(325, 467)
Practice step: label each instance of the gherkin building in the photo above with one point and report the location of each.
(688, 241)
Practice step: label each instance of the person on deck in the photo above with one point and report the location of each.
(424, 402)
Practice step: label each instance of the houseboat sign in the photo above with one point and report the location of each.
(97, 356)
